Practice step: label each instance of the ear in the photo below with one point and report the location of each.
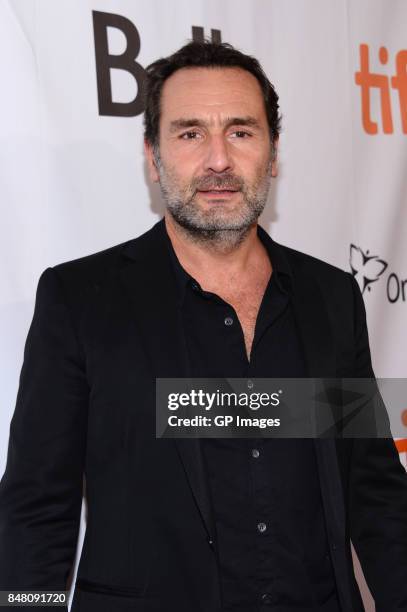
(274, 163)
(152, 167)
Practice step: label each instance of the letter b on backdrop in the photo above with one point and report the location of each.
(105, 61)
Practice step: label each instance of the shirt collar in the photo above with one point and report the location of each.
(282, 273)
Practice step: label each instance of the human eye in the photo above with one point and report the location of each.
(241, 134)
(189, 135)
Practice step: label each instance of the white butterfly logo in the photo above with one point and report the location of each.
(370, 267)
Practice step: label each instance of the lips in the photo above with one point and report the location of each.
(217, 190)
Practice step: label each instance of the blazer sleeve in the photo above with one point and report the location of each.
(378, 497)
(41, 489)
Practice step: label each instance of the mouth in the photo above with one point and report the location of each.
(216, 193)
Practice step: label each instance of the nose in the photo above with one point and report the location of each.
(218, 158)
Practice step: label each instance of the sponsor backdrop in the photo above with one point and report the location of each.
(73, 178)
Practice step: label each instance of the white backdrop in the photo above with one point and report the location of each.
(73, 181)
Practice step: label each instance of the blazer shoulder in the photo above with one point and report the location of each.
(90, 267)
(338, 289)
(303, 263)
(93, 268)
(82, 278)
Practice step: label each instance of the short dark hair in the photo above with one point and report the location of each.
(205, 54)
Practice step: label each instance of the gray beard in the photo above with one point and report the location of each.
(209, 228)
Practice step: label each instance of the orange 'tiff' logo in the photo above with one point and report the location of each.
(401, 444)
(368, 80)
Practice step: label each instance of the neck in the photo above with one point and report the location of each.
(219, 258)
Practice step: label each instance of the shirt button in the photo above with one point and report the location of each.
(255, 453)
(250, 384)
(195, 286)
(266, 599)
(228, 321)
(262, 527)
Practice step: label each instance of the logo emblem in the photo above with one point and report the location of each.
(365, 267)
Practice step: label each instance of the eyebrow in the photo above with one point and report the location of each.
(181, 124)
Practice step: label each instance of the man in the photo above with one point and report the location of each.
(197, 525)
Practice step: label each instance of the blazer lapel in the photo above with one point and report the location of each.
(314, 325)
(150, 283)
(315, 331)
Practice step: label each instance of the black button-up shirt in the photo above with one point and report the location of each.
(271, 540)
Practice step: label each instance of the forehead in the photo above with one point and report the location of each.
(206, 91)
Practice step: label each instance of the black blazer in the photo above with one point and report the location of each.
(104, 327)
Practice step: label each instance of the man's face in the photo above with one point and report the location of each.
(215, 156)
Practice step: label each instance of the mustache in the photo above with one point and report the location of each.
(226, 182)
